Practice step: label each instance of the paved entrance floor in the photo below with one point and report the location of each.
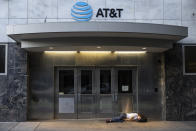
(97, 125)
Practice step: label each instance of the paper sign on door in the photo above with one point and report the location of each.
(125, 88)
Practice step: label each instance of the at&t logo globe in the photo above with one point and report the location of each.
(82, 11)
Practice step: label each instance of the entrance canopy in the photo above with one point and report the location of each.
(88, 35)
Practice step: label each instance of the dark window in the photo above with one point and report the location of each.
(66, 81)
(2, 59)
(124, 81)
(105, 82)
(190, 59)
(86, 82)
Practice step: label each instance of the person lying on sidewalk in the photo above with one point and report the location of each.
(128, 117)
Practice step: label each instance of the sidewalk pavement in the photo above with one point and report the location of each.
(97, 125)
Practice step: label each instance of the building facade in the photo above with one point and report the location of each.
(62, 59)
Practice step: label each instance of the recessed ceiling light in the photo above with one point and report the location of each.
(98, 47)
(51, 48)
(60, 52)
(143, 48)
(130, 52)
(95, 51)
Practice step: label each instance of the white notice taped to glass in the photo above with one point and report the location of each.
(66, 105)
(125, 88)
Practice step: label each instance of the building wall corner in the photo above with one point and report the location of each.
(180, 96)
(13, 89)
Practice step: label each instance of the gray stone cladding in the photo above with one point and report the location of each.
(180, 89)
(13, 86)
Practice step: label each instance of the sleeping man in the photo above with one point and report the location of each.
(128, 117)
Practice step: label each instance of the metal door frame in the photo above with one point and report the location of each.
(84, 115)
(96, 88)
(134, 93)
(98, 96)
(58, 115)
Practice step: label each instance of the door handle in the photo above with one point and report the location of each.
(116, 97)
(79, 96)
(113, 97)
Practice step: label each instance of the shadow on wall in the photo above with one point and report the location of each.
(180, 89)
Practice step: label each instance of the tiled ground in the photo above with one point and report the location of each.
(95, 125)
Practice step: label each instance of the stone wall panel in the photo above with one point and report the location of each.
(180, 96)
(13, 86)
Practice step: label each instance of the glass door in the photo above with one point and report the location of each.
(93, 92)
(66, 98)
(124, 92)
(86, 93)
(105, 93)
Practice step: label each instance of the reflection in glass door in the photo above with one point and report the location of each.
(105, 82)
(104, 93)
(66, 99)
(125, 96)
(86, 93)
